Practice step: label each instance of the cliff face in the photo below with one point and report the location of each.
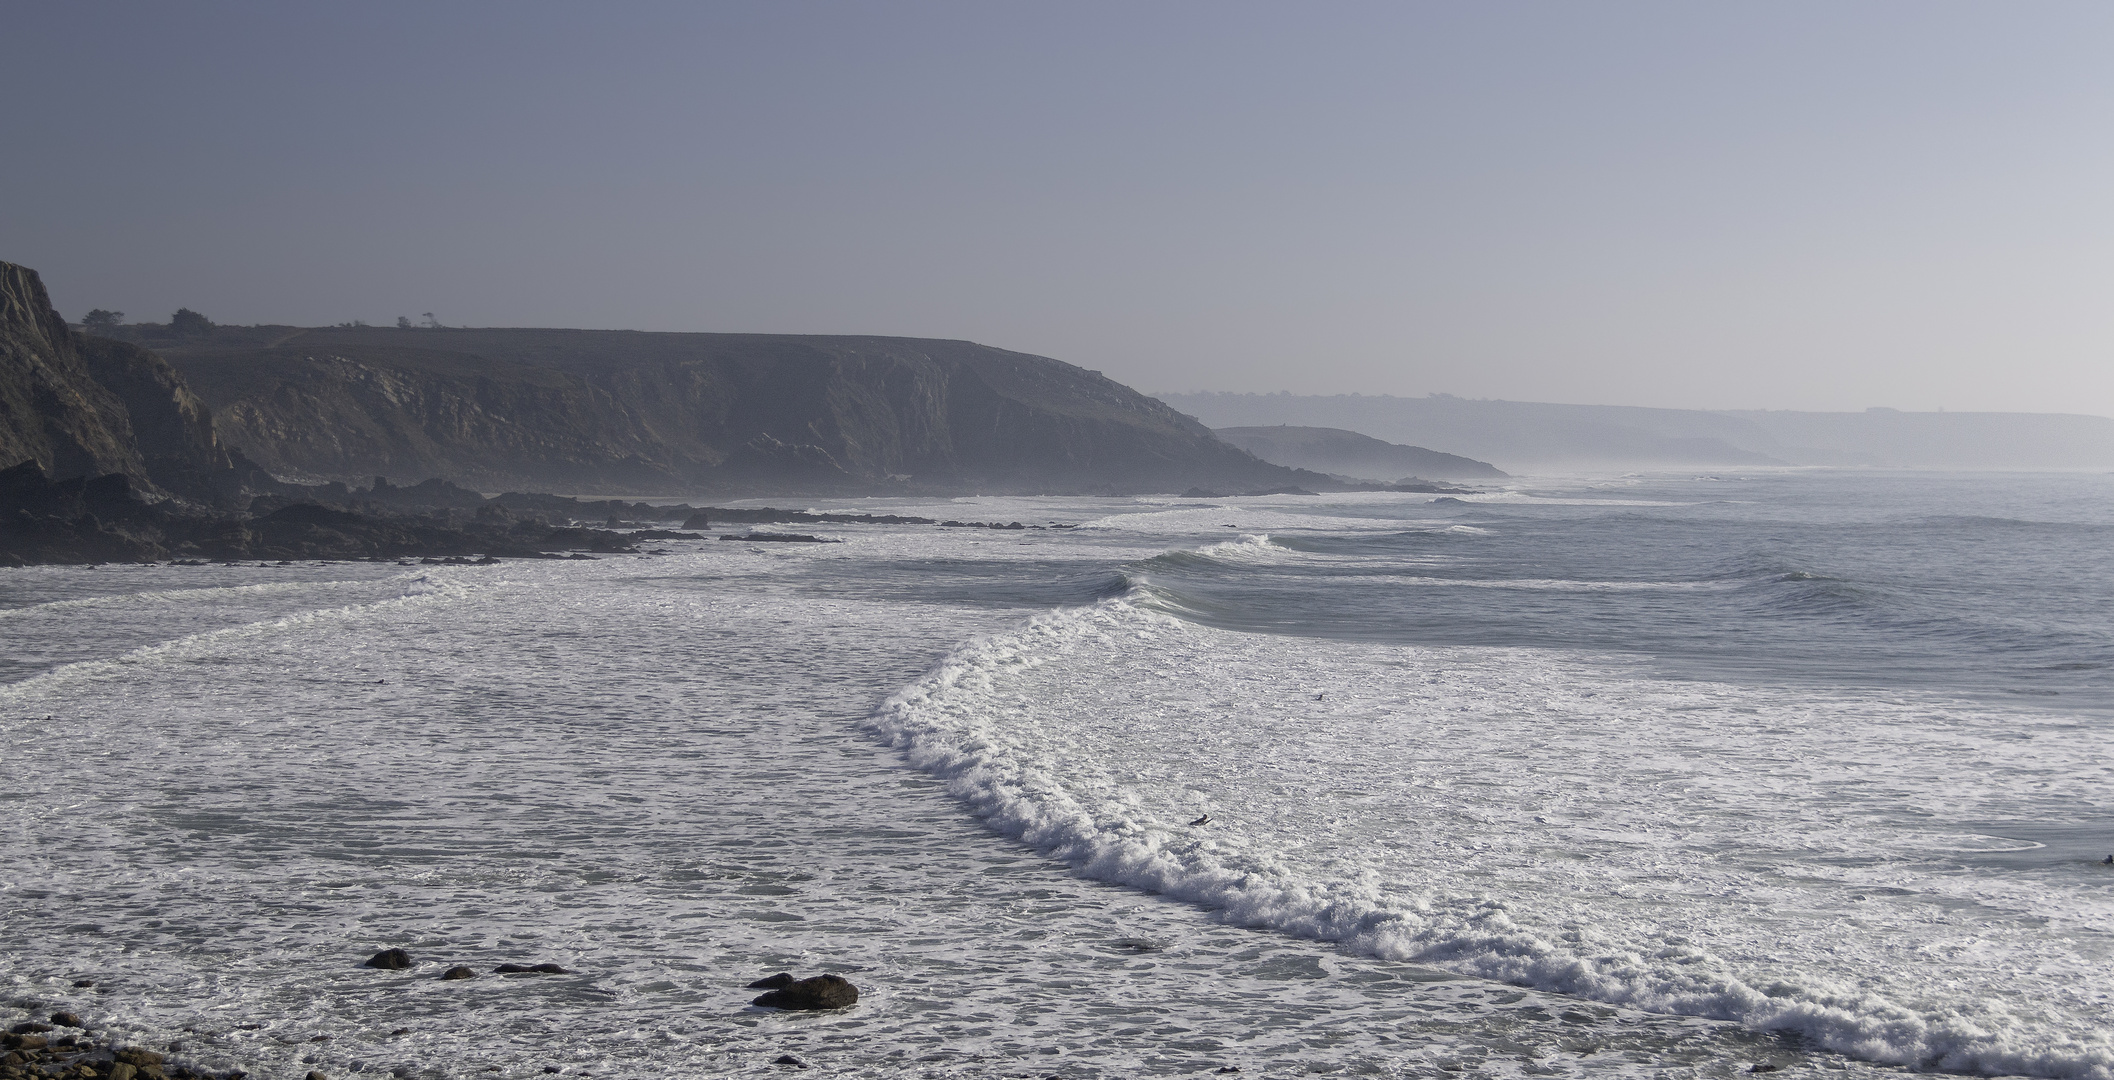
(172, 429)
(667, 413)
(80, 406)
(52, 409)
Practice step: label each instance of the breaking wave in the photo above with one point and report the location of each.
(1094, 734)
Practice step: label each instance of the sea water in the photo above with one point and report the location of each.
(1680, 775)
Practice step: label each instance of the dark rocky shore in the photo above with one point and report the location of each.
(64, 1047)
(107, 519)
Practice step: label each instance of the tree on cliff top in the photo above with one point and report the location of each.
(102, 320)
(188, 323)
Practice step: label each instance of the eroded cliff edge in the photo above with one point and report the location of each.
(81, 406)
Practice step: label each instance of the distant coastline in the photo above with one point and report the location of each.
(1523, 436)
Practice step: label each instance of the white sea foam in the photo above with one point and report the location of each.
(1540, 818)
(651, 772)
(215, 799)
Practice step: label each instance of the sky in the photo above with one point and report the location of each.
(1789, 205)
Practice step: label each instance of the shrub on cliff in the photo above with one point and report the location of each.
(188, 323)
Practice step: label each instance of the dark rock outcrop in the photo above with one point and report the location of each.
(104, 519)
(773, 982)
(531, 969)
(390, 960)
(620, 410)
(81, 406)
(820, 992)
(456, 973)
(52, 410)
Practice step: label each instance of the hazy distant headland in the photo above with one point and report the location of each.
(1526, 436)
(1348, 453)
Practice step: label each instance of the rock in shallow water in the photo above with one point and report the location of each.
(457, 972)
(820, 992)
(390, 960)
(774, 982)
(531, 969)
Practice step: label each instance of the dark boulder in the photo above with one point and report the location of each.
(390, 960)
(531, 969)
(457, 972)
(67, 1019)
(820, 992)
(775, 982)
(788, 1059)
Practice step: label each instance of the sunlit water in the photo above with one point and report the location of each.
(1655, 775)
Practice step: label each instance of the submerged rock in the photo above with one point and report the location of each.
(390, 960)
(457, 972)
(820, 992)
(774, 982)
(531, 969)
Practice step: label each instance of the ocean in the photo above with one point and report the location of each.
(1804, 771)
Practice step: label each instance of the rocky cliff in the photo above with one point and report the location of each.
(80, 406)
(620, 411)
(52, 410)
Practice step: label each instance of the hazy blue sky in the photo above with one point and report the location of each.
(1785, 205)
